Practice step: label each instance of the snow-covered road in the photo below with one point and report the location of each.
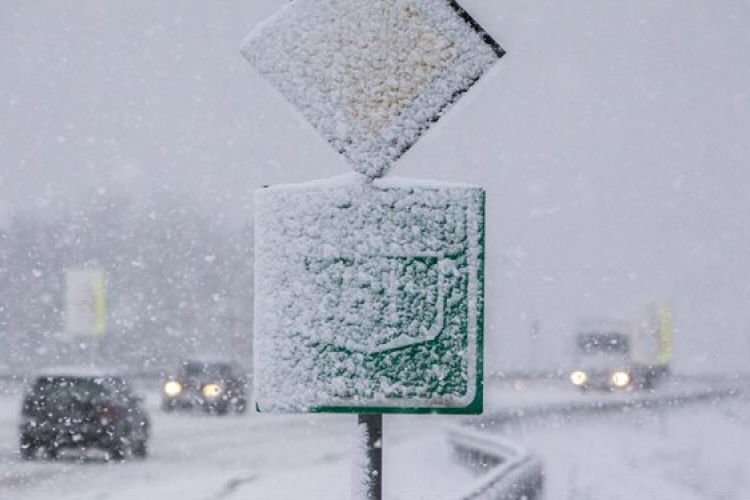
(696, 454)
(685, 441)
(204, 457)
(191, 456)
(696, 451)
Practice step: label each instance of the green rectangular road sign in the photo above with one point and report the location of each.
(369, 297)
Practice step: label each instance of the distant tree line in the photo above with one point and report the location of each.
(178, 283)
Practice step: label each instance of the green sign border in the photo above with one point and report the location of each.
(476, 407)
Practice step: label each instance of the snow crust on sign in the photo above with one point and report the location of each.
(361, 467)
(386, 182)
(370, 75)
(367, 295)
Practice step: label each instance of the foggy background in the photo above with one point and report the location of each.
(612, 140)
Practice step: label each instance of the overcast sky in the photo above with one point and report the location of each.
(612, 140)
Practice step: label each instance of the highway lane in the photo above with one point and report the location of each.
(227, 458)
(203, 457)
(191, 456)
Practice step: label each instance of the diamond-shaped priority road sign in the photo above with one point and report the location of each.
(371, 75)
(369, 297)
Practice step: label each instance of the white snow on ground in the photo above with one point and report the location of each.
(259, 456)
(697, 452)
(690, 454)
(423, 468)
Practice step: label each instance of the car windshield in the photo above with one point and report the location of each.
(196, 369)
(61, 390)
(602, 343)
(117, 386)
(473, 249)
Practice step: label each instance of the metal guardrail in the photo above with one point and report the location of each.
(515, 375)
(570, 409)
(512, 473)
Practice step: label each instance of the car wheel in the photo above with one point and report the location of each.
(139, 448)
(116, 452)
(27, 449)
(50, 452)
(240, 406)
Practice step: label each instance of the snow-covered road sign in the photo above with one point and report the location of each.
(371, 75)
(369, 297)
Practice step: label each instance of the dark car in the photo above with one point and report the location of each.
(212, 386)
(83, 412)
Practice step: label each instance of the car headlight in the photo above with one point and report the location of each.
(578, 377)
(212, 390)
(620, 379)
(172, 388)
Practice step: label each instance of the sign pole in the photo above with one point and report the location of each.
(360, 249)
(373, 423)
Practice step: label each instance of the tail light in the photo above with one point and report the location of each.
(27, 410)
(108, 414)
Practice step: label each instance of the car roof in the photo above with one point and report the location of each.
(210, 363)
(78, 371)
(207, 360)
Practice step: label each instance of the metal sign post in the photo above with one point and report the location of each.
(374, 441)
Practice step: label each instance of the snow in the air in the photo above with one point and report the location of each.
(370, 75)
(612, 146)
